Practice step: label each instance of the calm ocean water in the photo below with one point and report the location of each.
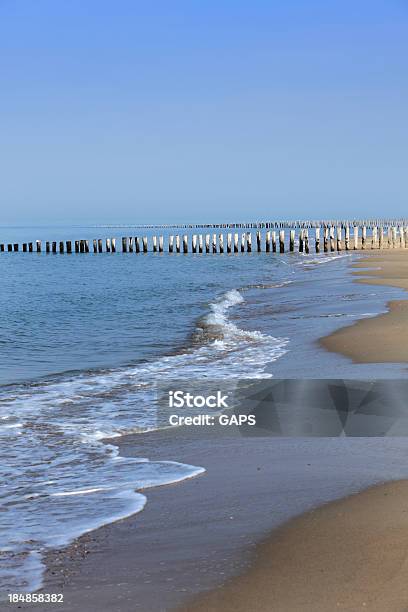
(85, 338)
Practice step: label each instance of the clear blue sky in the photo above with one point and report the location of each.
(126, 111)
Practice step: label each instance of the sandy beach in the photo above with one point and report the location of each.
(348, 555)
(351, 554)
(273, 524)
(382, 339)
(197, 535)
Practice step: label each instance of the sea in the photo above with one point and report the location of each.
(86, 338)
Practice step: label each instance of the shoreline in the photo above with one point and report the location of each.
(350, 554)
(380, 339)
(197, 535)
(81, 575)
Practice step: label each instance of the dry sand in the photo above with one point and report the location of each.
(381, 339)
(348, 555)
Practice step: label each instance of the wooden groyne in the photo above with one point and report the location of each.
(283, 224)
(304, 237)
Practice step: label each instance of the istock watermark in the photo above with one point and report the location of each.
(287, 407)
(216, 402)
(200, 403)
(180, 399)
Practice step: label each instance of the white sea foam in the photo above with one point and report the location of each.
(83, 492)
(61, 467)
(230, 334)
(325, 258)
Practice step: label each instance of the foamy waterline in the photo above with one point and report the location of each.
(59, 425)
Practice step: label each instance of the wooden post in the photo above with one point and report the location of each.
(124, 244)
(30, 247)
(243, 239)
(301, 241)
(171, 244)
(394, 237)
(292, 241)
(95, 245)
(161, 244)
(331, 234)
(281, 241)
(339, 245)
(214, 243)
(185, 243)
(54, 247)
(144, 242)
(113, 245)
(137, 244)
(355, 237)
(268, 242)
(405, 229)
(86, 246)
(130, 244)
(15, 247)
(177, 243)
(2, 248)
(38, 246)
(273, 242)
(381, 238)
(69, 247)
(9, 248)
(389, 237)
(249, 242)
(207, 243)
(61, 247)
(374, 238)
(47, 247)
(401, 237)
(347, 237)
(229, 243)
(154, 244)
(108, 246)
(24, 247)
(306, 238)
(221, 243)
(194, 243)
(326, 239)
(200, 243)
(236, 240)
(317, 239)
(363, 237)
(258, 241)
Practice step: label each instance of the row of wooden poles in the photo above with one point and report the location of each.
(334, 239)
(288, 224)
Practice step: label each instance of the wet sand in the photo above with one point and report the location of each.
(381, 339)
(195, 536)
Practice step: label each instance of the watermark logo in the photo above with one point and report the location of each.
(288, 407)
(181, 399)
